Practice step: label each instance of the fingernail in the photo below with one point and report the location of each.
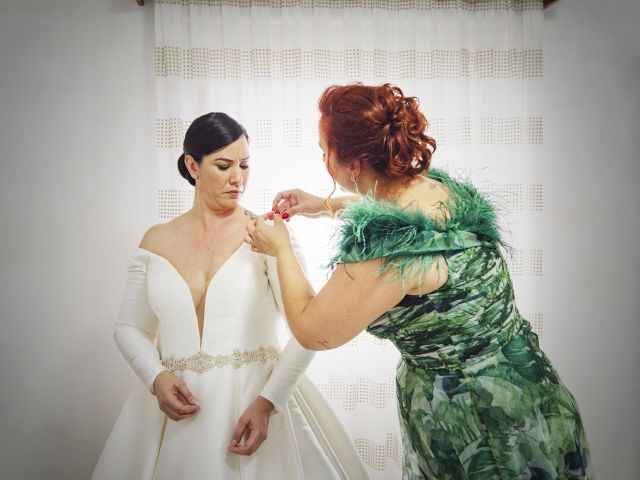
(285, 215)
(277, 211)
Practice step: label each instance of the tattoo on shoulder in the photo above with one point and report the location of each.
(324, 343)
(347, 271)
(432, 185)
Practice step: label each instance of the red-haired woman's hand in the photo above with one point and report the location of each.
(268, 239)
(297, 202)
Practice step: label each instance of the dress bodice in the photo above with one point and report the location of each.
(471, 317)
(240, 309)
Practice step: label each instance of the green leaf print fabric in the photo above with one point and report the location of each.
(477, 397)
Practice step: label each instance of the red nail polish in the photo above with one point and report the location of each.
(278, 212)
(285, 215)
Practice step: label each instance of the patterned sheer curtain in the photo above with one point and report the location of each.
(476, 67)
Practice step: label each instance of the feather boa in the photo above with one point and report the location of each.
(406, 238)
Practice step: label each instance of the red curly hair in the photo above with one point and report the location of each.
(377, 125)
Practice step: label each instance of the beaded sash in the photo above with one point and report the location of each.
(201, 362)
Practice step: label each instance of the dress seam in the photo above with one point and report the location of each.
(155, 467)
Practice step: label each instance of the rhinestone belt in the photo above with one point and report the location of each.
(201, 362)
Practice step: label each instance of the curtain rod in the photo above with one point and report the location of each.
(545, 3)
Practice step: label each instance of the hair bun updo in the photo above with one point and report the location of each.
(379, 126)
(184, 171)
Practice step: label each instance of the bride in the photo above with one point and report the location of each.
(198, 324)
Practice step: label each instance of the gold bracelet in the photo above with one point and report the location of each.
(327, 207)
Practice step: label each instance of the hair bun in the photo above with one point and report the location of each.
(379, 126)
(408, 149)
(184, 171)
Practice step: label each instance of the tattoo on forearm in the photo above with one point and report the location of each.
(324, 343)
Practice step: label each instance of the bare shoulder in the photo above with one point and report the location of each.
(432, 198)
(425, 194)
(155, 239)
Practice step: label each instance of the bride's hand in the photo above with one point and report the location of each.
(268, 239)
(174, 398)
(297, 202)
(252, 426)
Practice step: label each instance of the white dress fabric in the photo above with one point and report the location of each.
(234, 364)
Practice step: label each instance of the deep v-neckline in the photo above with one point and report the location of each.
(194, 307)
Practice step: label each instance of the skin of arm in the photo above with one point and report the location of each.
(354, 296)
(337, 313)
(298, 202)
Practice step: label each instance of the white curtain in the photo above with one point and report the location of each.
(476, 67)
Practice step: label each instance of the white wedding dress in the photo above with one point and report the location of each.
(238, 359)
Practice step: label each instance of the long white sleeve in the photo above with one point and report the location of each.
(136, 326)
(294, 359)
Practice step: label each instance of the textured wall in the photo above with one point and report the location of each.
(592, 229)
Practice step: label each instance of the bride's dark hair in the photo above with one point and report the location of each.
(207, 134)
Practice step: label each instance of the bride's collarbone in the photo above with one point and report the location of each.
(199, 266)
(197, 262)
(195, 257)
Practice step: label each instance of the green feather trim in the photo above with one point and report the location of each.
(468, 208)
(406, 239)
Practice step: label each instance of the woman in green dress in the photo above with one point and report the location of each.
(419, 263)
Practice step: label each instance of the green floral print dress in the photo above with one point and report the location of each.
(477, 397)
